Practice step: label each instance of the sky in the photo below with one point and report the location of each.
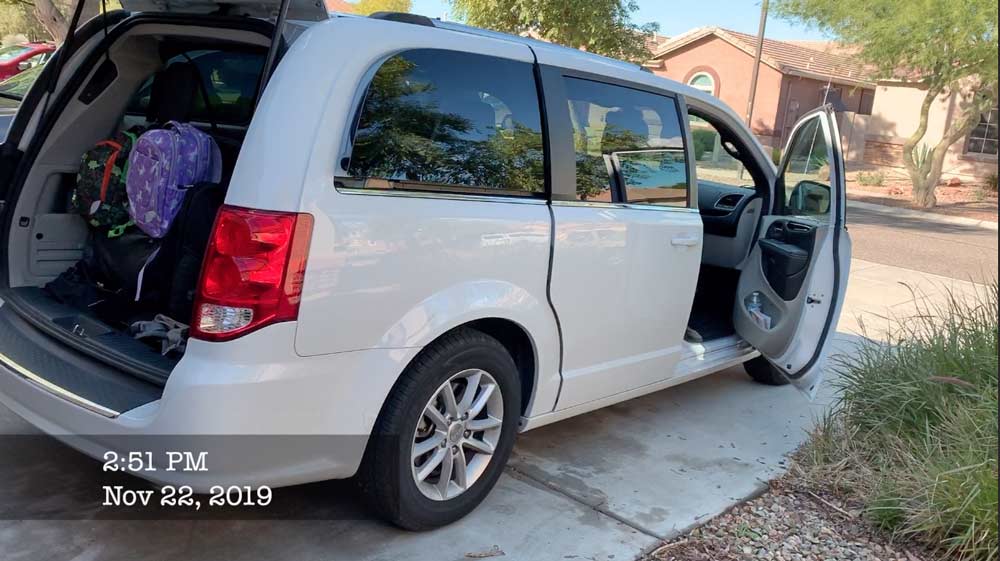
(677, 16)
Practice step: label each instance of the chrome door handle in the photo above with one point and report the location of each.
(685, 240)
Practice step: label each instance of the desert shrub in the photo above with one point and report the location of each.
(991, 183)
(871, 178)
(704, 141)
(914, 434)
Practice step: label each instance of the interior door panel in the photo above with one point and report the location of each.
(729, 215)
(786, 251)
(721, 206)
(793, 283)
(772, 286)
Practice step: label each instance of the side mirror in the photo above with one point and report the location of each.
(809, 197)
(23, 65)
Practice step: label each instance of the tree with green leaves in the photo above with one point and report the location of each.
(600, 26)
(950, 47)
(17, 23)
(368, 7)
(53, 15)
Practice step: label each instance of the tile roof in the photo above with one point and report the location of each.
(339, 6)
(832, 47)
(784, 56)
(656, 41)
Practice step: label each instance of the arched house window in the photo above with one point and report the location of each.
(703, 81)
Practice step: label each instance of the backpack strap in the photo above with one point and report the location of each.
(109, 165)
(115, 231)
(118, 230)
(171, 333)
(142, 273)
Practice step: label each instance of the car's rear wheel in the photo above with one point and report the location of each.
(764, 372)
(445, 433)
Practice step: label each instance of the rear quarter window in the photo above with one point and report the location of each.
(435, 120)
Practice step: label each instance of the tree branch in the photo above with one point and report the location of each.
(918, 134)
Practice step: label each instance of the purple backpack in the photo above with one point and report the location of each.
(163, 165)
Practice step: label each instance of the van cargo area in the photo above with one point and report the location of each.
(147, 71)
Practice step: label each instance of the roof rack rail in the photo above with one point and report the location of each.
(403, 17)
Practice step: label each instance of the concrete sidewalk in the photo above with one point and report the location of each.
(609, 485)
(878, 294)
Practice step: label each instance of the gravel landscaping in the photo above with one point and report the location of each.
(788, 523)
(974, 201)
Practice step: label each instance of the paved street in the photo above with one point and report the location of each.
(960, 252)
(607, 485)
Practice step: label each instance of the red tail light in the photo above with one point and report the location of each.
(252, 273)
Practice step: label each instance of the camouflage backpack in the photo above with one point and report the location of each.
(100, 195)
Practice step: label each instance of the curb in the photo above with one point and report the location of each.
(929, 216)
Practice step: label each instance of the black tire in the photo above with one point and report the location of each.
(763, 372)
(385, 475)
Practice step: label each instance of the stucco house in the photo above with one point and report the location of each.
(794, 78)
(895, 116)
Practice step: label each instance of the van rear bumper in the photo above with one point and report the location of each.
(260, 414)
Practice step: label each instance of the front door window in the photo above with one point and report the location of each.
(806, 172)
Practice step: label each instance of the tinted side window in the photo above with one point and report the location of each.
(230, 79)
(443, 120)
(630, 135)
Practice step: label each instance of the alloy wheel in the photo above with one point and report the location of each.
(458, 430)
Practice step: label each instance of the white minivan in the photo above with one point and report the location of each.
(434, 237)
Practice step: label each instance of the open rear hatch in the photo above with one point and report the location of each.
(61, 346)
(301, 10)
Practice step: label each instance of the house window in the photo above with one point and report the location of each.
(983, 138)
(867, 102)
(703, 81)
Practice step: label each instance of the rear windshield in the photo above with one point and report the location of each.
(230, 79)
(16, 87)
(13, 51)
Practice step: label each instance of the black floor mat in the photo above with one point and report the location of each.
(712, 322)
(712, 312)
(118, 343)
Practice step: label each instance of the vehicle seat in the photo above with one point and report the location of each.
(173, 92)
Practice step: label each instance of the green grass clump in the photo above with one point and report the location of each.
(914, 435)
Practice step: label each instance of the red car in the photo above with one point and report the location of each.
(16, 58)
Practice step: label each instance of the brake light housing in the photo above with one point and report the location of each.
(252, 272)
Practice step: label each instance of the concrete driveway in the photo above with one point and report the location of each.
(604, 486)
(607, 485)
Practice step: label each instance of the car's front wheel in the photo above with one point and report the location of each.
(445, 432)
